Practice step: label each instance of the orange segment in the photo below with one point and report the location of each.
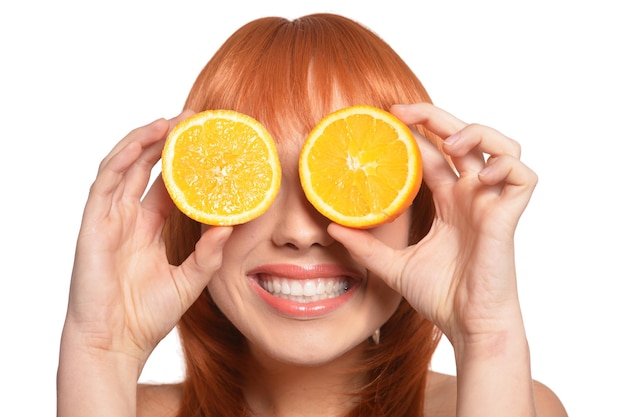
(360, 167)
(221, 167)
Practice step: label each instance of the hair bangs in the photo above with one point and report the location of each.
(288, 74)
(258, 72)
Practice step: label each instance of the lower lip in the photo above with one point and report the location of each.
(311, 309)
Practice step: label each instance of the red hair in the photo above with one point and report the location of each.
(288, 74)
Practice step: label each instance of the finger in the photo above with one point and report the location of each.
(513, 184)
(516, 177)
(138, 175)
(483, 139)
(420, 114)
(468, 147)
(446, 126)
(143, 136)
(148, 134)
(438, 121)
(468, 160)
(199, 267)
(367, 251)
(157, 199)
(127, 168)
(465, 144)
(436, 168)
(110, 177)
(185, 114)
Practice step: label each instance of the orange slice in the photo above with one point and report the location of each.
(360, 167)
(221, 167)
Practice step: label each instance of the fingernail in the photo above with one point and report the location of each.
(451, 140)
(225, 234)
(485, 170)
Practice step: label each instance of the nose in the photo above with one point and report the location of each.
(299, 226)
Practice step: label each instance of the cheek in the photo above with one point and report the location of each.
(219, 289)
(381, 302)
(229, 297)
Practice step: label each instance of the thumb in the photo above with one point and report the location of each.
(368, 251)
(202, 263)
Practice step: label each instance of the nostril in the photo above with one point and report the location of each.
(298, 226)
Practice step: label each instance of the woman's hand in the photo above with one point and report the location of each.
(125, 296)
(462, 274)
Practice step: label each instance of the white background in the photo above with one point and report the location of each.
(75, 77)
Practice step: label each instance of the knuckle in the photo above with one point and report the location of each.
(516, 147)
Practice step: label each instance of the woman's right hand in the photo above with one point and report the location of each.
(125, 296)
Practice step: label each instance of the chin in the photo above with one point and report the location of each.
(310, 355)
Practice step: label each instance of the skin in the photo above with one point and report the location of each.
(125, 297)
(292, 232)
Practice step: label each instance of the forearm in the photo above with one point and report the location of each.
(494, 377)
(91, 382)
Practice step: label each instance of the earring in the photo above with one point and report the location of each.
(376, 336)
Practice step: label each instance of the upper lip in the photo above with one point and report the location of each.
(293, 271)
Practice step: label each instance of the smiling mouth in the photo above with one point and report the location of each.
(304, 290)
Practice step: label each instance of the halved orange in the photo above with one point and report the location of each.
(221, 167)
(360, 167)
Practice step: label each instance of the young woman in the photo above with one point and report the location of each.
(445, 266)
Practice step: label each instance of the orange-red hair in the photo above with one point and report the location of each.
(288, 74)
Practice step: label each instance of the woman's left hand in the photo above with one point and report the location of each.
(461, 275)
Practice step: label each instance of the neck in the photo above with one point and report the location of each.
(275, 388)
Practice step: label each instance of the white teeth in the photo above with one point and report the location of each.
(309, 289)
(304, 291)
(296, 289)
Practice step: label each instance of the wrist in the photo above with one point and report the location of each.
(493, 347)
(103, 341)
(94, 381)
(494, 375)
(99, 349)
(500, 332)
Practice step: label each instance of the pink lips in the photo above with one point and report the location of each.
(304, 291)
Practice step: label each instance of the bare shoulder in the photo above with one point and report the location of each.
(440, 395)
(158, 400)
(547, 403)
(441, 398)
